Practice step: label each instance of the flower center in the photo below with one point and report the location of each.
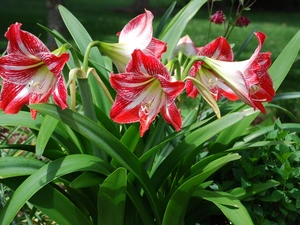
(42, 81)
(254, 88)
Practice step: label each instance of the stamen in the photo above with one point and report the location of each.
(254, 88)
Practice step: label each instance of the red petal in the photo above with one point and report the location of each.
(23, 42)
(130, 85)
(54, 63)
(218, 49)
(60, 94)
(171, 88)
(18, 68)
(13, 97)
(121, 114)
(171, 115)
(147, 64)
(157, 47)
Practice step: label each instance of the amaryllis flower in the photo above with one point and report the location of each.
(249, 79)
(137, 34)
(218, 49)
(218, 17)
(143, 91)
(30, 72)
(242, 21)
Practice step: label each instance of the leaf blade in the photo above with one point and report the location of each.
(111, 198)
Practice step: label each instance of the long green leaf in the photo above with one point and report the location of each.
(293, 127)
(284, 61)
(164, 19)
(111, 198)
(47, 128)
(24, 119)
(87, 179)
(53, 203)
(106, 141)
(192, 141)
(172, 33)
(244, 193)
(82, 40)
(49, 153)
(45, 175)
(229, 135)
(18, 166)
(177, 204)
(237, 213)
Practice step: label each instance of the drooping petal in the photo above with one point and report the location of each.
(13, 97)
(23, 42)
(172, 88)
(171, 115)
(60, 94)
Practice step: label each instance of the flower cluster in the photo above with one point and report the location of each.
(144, 85)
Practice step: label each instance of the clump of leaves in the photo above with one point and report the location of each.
(279, 162)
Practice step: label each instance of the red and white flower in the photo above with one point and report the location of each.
(218, 49)
(249, 79)
(30, 72)
(143, 91)
(137, 34)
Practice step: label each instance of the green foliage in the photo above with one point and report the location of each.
(211, 172)
(279, 163)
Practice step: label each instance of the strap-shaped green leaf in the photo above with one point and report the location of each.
(244, 193)
(45, 175)
(53, 203)
(46, 130)
(106, 141)
(62, 135)
(192, 141)
(232, 208)
(18, 166)
(112, 197)
(82, 40)
(173, 31)
(284, 61)
(177, 204)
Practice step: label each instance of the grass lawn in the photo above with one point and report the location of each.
(102, 22)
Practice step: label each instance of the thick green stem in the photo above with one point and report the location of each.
(189, 65)
(87, 98)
